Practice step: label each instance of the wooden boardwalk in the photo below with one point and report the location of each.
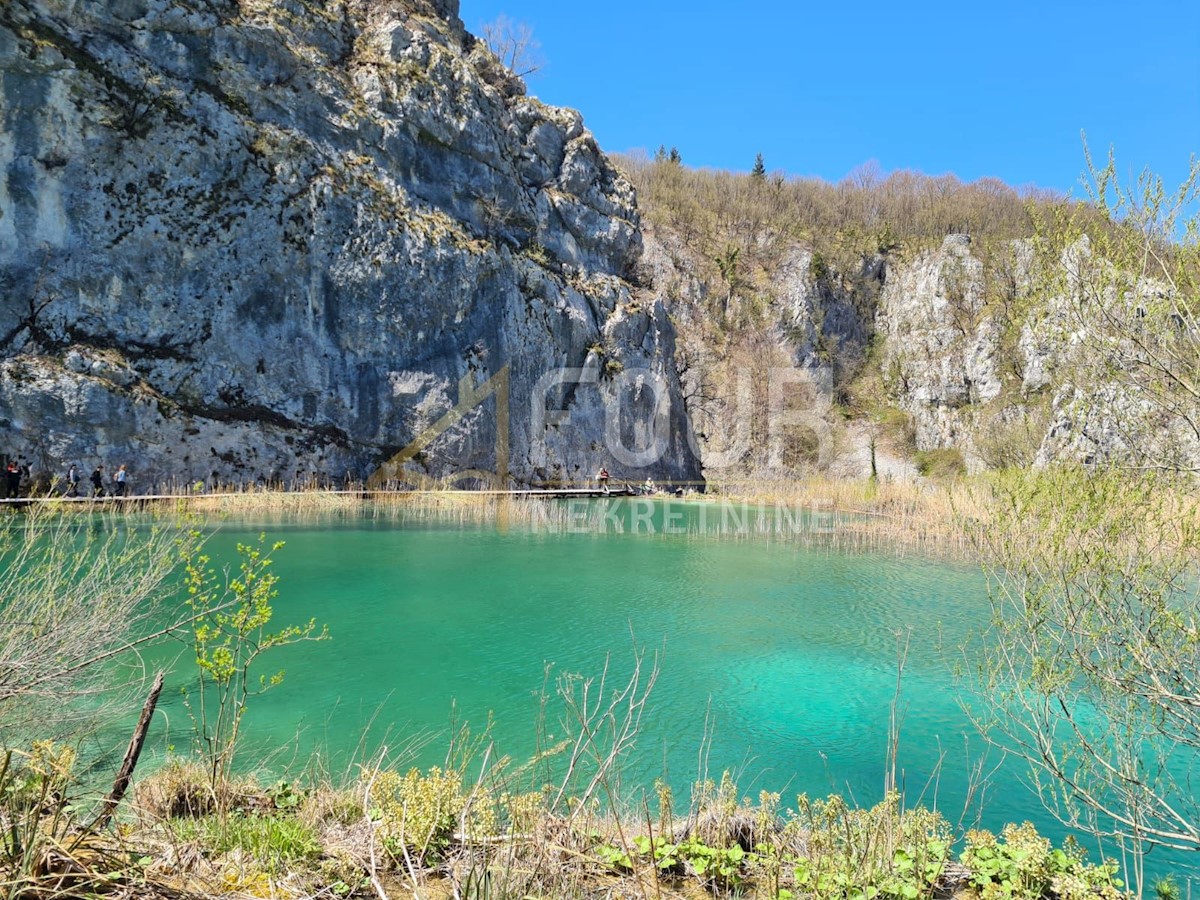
(149, 499)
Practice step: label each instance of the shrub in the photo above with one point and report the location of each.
(613, 367)
(885, 851)
(943, 464)
(1023, 864)
(420, 814)
(72, 598)
(230, 631)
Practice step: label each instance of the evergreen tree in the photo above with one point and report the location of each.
(675, 157)
(759, 172)
(660, 155)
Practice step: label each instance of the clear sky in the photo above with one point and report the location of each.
(978, 89)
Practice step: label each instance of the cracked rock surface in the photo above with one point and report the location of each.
(255, 240)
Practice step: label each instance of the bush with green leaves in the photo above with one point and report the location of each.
(720, 868)
(941, 465)
(230, 631)
(1022, 863)
(829, 850)
(860, 854)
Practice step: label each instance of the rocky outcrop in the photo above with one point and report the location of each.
(258, 240)
(821, 317)
(990, 356)
(1026, 362)
(787, 337)
(941, 351)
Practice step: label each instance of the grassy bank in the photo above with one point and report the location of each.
(387, 832)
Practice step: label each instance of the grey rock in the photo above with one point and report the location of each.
(939, 356)
(275, 244)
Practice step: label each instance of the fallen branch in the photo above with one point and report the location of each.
(125, 773)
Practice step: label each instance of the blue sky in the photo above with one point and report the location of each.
(977, 89)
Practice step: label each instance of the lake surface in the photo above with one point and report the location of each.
(777, 661)
(788, 653)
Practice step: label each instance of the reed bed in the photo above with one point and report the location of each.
(940, 523)
(950, 519)
(942, 520)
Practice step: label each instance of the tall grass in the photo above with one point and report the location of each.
(903, 516)
(928, 517)
(843, 516)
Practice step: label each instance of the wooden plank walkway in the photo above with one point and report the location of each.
(141, 499)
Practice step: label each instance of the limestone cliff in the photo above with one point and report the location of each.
(1027, 361)
(979, 357)
(259, 239)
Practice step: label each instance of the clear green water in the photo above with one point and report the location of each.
(790, 654)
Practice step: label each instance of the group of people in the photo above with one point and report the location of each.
(120, 481)
(602, 476)
(648, 488)
(11, 477)
(17, 478)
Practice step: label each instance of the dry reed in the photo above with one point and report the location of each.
(837, 514)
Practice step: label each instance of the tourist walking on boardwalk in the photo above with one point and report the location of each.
(14, 480)
(73, 481)
(98, 481)
(120, 480)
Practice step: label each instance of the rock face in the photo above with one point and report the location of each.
(1031, 363)
(941, 352)
(260, 239)
(986, 357)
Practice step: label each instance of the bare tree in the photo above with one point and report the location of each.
(1090, 670)
(514, 45)
(73, 596)
(1130, 282)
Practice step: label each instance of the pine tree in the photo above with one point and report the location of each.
(660, 155)
(759, 172)
(675, 157)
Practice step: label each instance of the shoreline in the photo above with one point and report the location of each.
(934, 520)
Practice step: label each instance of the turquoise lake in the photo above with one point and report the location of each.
(789, 653)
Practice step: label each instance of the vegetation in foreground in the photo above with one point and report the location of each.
(436, 834)
(1087, 669)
